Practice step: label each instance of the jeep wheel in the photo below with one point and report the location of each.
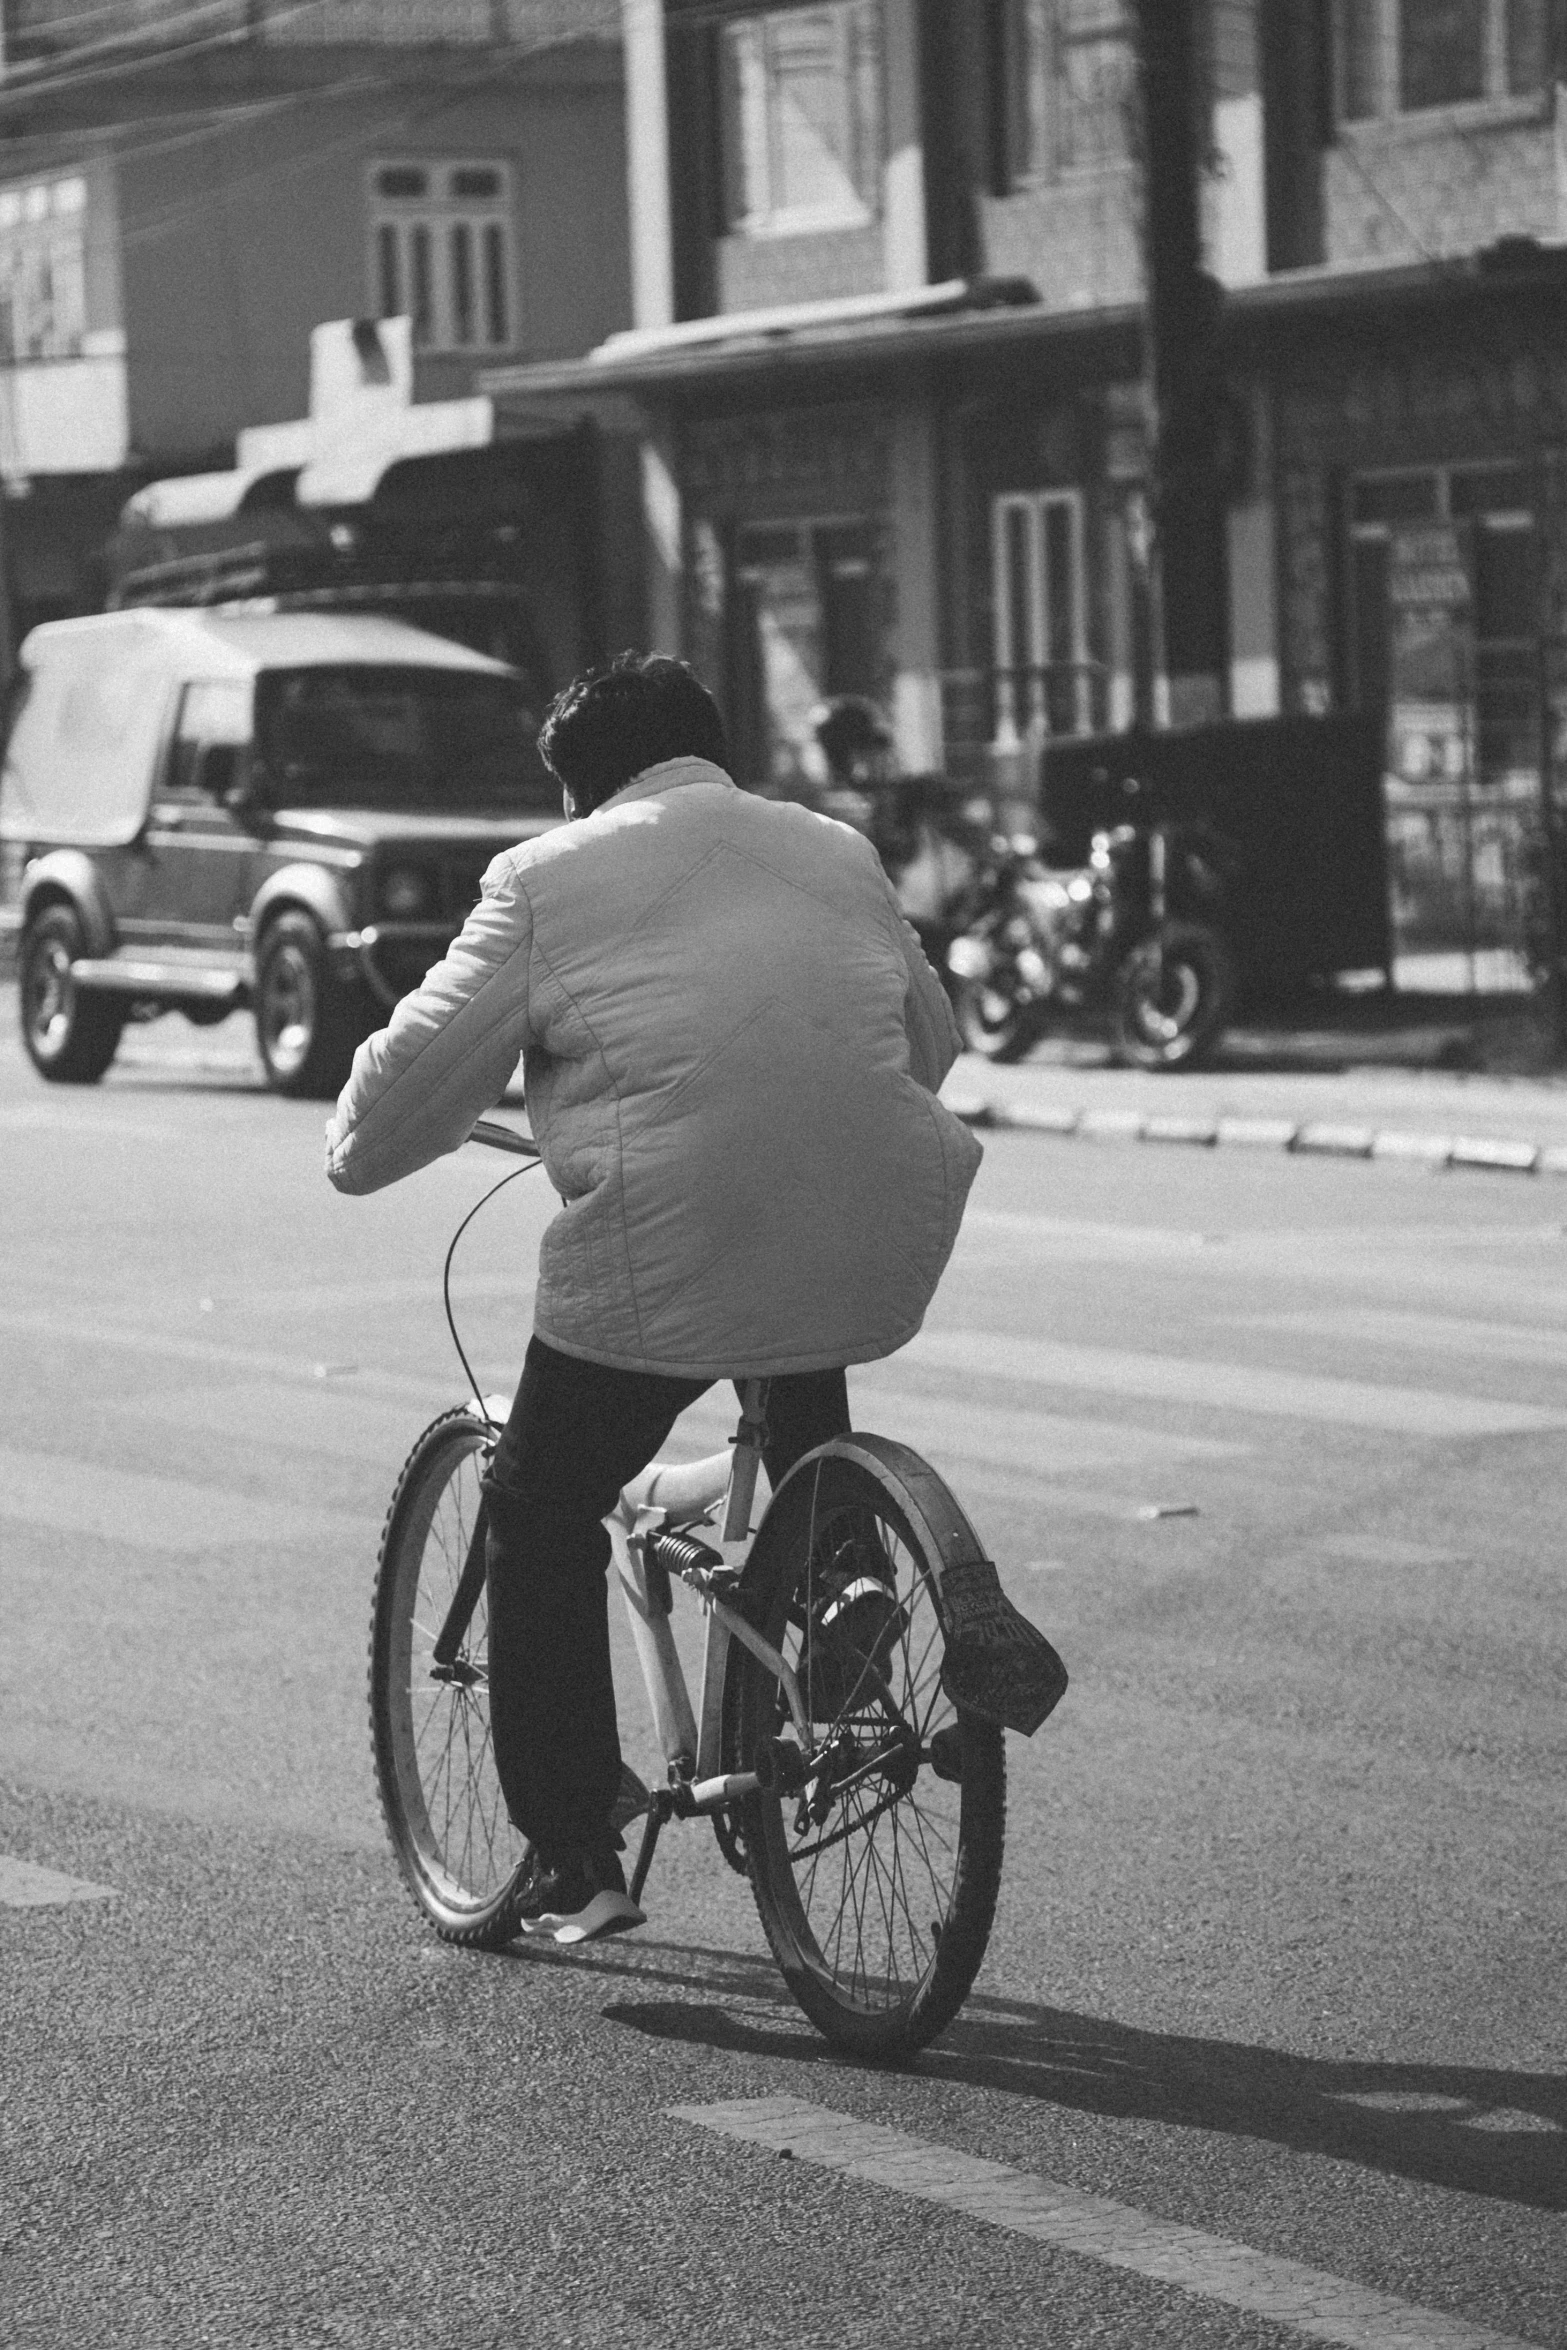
(307, 1021)
(71, 1035)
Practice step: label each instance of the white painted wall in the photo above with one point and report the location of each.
(65, 415)
(1235, 230)
(904, 244)
(916, 689)
(1254, 600)
(647, 164)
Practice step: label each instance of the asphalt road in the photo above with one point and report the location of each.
(1280, 1953)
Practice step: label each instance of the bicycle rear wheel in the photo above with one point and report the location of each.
(876, 1884)
(430, 1724)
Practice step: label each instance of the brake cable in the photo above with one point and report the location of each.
(498, 1137)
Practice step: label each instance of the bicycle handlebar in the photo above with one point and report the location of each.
(504, 1138)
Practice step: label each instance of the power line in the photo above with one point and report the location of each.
(30, 74)
(213, 121)
(46, 77)
(310, 158)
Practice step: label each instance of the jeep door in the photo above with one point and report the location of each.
(196, 861)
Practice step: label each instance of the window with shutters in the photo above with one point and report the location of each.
(1067, 87)
(441, 252)
(43, 268)
(1407, 56)
(802, 118)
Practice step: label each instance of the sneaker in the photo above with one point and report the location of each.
(576, 1898)
(856, 1622)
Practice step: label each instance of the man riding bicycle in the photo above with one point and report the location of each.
(731, 1045)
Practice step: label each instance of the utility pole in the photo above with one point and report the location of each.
(1182, 371)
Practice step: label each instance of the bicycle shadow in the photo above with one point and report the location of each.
(1478, 2130)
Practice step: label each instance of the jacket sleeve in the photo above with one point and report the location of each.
(418, 1086)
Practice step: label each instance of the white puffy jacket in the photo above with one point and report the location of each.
(731, 1045)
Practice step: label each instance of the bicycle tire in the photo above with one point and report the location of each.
(846, 1519)
(458, 1852)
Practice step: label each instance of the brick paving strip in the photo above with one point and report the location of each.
(1307, 1138)
(1325, 2308)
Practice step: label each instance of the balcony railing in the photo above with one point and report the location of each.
(1002, 718)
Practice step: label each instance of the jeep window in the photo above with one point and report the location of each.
(213, 715)
(367, 737)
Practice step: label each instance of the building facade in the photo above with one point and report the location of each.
(885, 381)
(186, 193)
(887, 360)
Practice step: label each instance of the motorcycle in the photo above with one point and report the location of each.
(933, 839)
(1131, 938)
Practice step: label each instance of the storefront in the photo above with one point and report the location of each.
(790, 590)
(930, 503)
(1423, 566)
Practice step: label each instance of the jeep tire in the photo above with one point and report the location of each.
(307, 1022)
(71, 1033)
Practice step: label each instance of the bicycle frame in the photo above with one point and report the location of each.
(652, 1544)
(648, 1508)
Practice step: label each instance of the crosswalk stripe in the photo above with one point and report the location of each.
(1524, 1275)
(326, 1417)
(1011, 1436)
(1310, 2300)
(1384, 1550)
(168, 1346)
(26, 1884)
(1151, 1378)
(1229, 1387)
(1422, 1334)
(72, 1496)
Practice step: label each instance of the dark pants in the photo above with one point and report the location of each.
(578, 1432)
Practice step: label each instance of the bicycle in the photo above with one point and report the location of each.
(860, 1664)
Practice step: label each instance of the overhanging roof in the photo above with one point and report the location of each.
(880, 332)
(789, 348)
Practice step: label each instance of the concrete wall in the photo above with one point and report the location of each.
(232, 248)
(1077, 240)
(62, 416)
(1424, 184)
(761, 273)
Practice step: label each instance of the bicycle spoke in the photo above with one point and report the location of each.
(867, 1914)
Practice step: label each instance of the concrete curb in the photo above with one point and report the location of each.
(1304, 1138)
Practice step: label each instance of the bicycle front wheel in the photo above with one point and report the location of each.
(876, 1882)
(430, 1721)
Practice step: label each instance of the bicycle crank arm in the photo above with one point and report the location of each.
(702, 1795)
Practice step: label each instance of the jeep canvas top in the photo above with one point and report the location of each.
(216, 808)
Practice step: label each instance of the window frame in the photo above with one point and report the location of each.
(1025, 717)
(1034, 45)
(44, 250)
(1492, 687)
(865, 132)
(1385, 71)
(415, 249)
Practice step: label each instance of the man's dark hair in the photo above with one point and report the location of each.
(611, 724)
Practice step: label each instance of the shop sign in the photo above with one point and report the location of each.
(1430, 599)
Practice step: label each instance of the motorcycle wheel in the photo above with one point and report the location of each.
(993, 1023)
(1173, 996)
